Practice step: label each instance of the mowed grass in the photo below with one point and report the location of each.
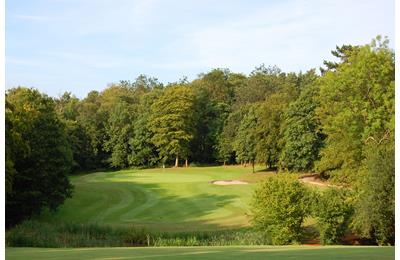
(243, 253)
(171, 199)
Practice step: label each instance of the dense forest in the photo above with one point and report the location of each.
(338, 121)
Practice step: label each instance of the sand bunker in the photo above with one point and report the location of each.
(229, 182)
(315, 179)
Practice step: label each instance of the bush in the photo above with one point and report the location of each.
(279, 207)
(375, 204)
(332, 210)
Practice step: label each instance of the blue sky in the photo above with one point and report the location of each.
(83, 45)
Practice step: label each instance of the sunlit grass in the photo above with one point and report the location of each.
(243, 253)
(162, 199)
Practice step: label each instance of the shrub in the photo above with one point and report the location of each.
(332, 210)
(375, 203)
(279, 206)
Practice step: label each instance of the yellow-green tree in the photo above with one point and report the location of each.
(356, 107)
(172, 122)
(280, 205)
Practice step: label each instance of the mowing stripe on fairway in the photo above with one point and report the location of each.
(174, 199)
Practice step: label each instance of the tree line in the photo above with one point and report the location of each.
(339, 122)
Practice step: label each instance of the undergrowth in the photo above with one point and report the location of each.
(37, 234)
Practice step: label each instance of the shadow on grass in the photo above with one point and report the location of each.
(267, 170)
(130, 214)
(143, 204)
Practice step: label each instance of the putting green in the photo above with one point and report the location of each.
(243, 252)
(160, 199)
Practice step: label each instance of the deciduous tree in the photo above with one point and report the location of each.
(172, 123)
(356, 106)
(40, 178)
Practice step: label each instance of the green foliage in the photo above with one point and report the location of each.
(119, 129)
(65, 234)
(343, 53)
(68, 109)
(302, 137)
(143, 84)
(143, 152)
(67, 106)
(209, 117)
(118, 110)
(39, 177)
(36, 234)
(216, 85)
(261, 83)
(227, 138)
(93, 123)
(14, 145)
(172, 122)
(279, 207)
(270, 118)
(245, 141)
(9, 172)
(333, 210)
(268, 132)
(214, 93)
(210, 238)
(375, 204)
(356, 106)
(79, 139)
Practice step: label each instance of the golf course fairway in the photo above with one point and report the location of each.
(242, 252)
(178, 199)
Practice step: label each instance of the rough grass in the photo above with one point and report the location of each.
(243, 253)
(37, 234)
(172, 199)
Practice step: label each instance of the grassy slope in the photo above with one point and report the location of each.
(161, 199)
(248, 252)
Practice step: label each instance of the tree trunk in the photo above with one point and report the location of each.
(224, 163)
(252, 163)
(186, 163)
(177, 161)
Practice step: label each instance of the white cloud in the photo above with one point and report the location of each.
(293, 35)
(167, 39)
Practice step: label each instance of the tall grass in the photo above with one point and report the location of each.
(38, 234)
(211, 238)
